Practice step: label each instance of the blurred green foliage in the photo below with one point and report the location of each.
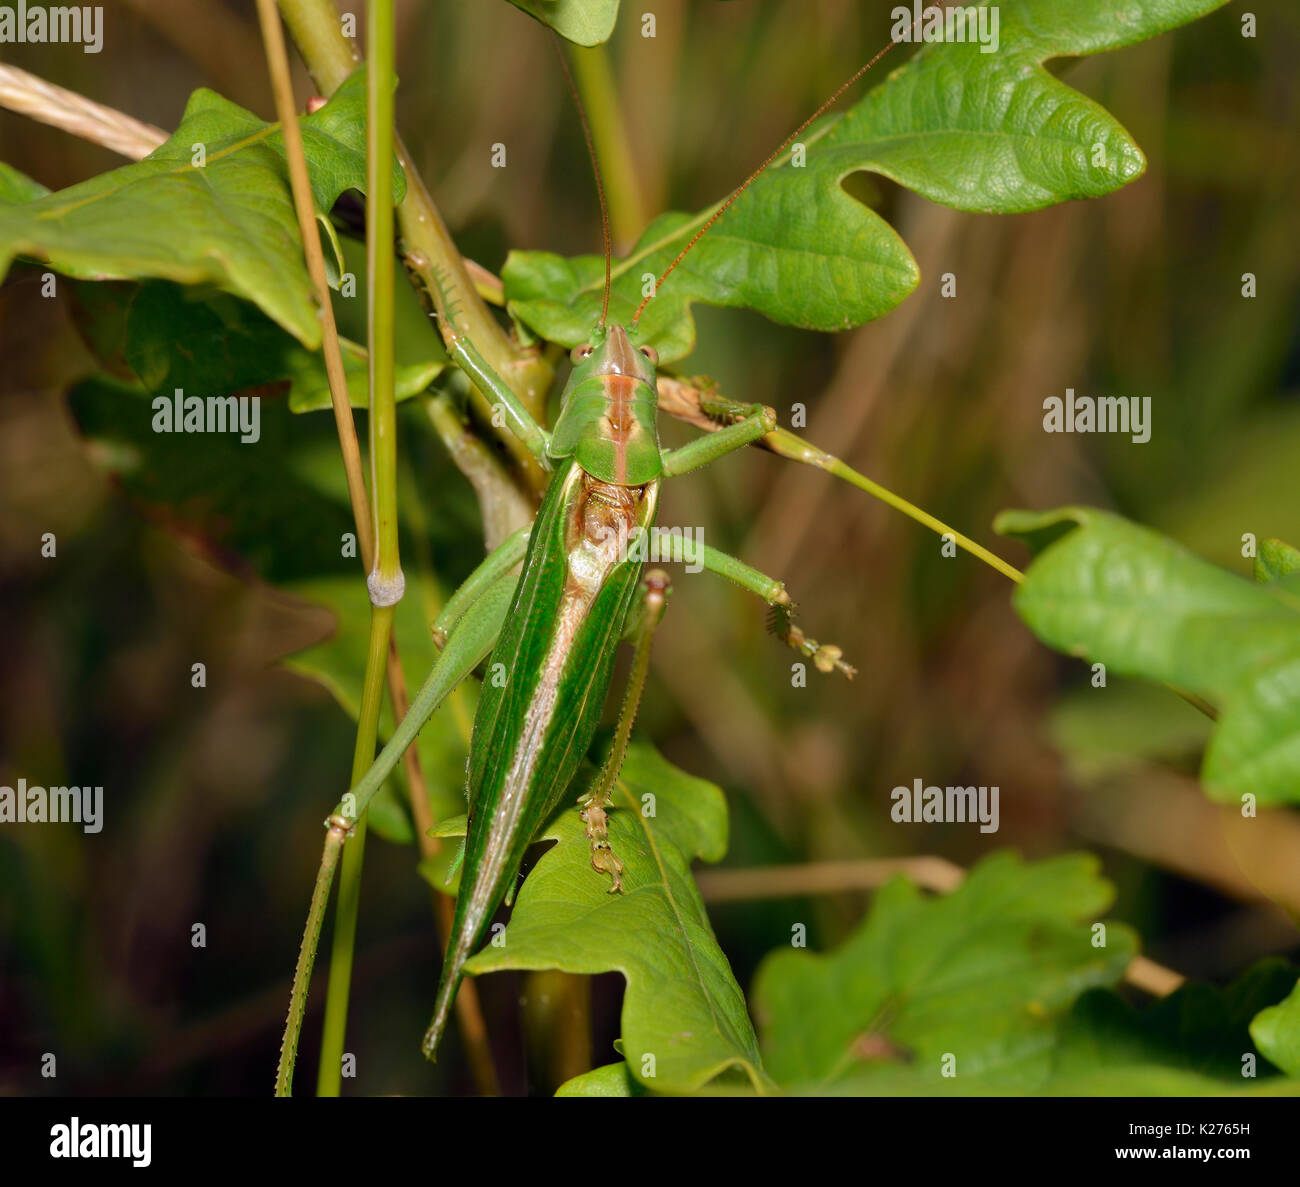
(215, 795)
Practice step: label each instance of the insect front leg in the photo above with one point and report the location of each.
(518, 419)
(754, 422)
(594, 806)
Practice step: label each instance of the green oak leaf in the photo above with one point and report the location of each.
(584, 22)
(16, 187)
(1276, 1031)
(981, 132)
(243, 502)
(1192, 1043)
(983, 975)
(229, 222)
(614, 1079)
(1275, 561)
(1127, 597)
(208, 342)
(996, 133)
(682, 1006)
(1132, 723)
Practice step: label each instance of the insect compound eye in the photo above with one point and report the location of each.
(578, 353)
(651, 354)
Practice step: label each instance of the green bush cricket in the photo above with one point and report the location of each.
(554, 631)
(576, 597)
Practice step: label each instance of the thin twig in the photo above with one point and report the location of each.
(385, 583)
(300, 183)
(330, 58)
(832, 877)
(825, 877)
(31, 96)
(426, 243)
(367, 721)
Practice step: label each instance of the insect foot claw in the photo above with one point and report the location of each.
(603, 860)
(826, 657)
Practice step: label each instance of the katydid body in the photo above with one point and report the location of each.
(551, 669)
(551, 664)
(550, 672)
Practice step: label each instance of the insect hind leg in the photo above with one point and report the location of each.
(594, 806)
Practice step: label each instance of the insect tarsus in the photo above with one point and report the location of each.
(826, 657)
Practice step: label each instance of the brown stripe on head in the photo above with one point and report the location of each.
(620, 356)
(619, 420)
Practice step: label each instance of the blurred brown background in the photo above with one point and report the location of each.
(214, 800)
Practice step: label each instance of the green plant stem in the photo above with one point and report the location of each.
(600, 98)
(426, 243)
(343, 941)
(385, 582)
(320, 25)
(300, 185)
(380, 86)
(337, 829)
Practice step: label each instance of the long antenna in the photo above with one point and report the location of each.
(595, 168)
(780, 148)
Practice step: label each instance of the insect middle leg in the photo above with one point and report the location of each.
(826, 657)
(595, 804)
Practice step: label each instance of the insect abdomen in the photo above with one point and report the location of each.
(548, 678)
